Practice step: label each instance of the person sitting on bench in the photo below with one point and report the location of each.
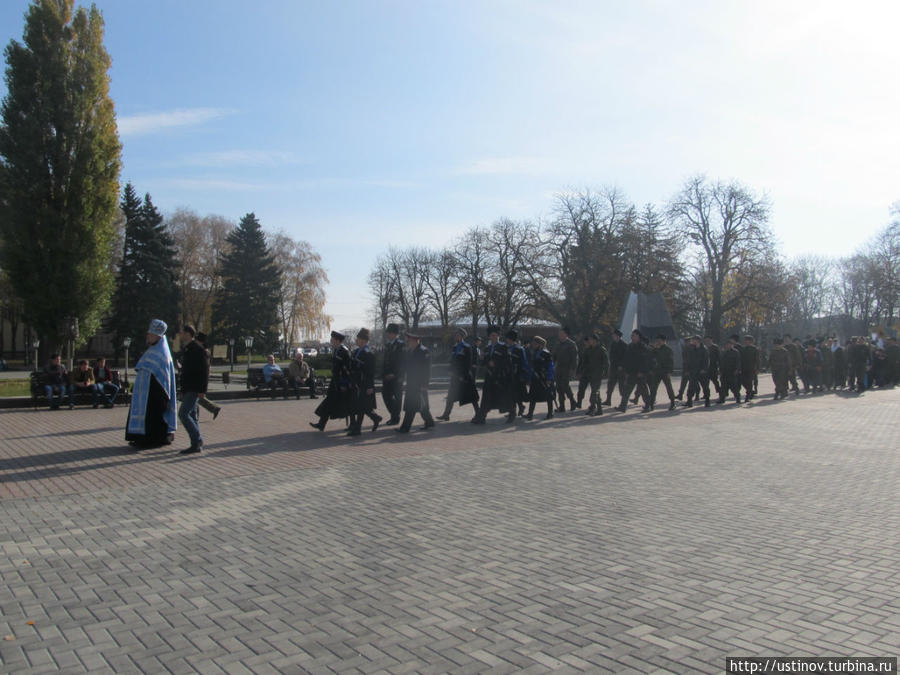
(301, 375)
(274, 376)
(104, 385)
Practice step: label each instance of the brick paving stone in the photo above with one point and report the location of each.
(626, 543)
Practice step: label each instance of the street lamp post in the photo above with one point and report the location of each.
(36, 344)
(248, 343)
(126, 342)
(231, 349)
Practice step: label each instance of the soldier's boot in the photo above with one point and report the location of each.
(320, 425)
(549, 415)
(376, 420)
(521, 409)
(671, 404)
(511, 417)
(530, 415)
(446, 414)
(590, 410)
(706, 402)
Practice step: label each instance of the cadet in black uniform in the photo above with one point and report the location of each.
(392, 373)
(362, 378)
(337, 403)
(462, 380)
(495, 393)
(418, 375)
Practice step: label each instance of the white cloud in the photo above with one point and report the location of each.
(138, 125)
(259, 158)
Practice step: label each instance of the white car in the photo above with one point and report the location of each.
(309, 351)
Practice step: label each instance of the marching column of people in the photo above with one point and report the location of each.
(516, 378)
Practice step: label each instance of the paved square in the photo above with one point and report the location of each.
(625, 543)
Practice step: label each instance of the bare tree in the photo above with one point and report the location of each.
(813, 293)
(471, 256)
(442, 285)
(410, 269)
(579, 275)
(201, 243)
(728, 226)
(510, 246)
(383, 286)
(301, 306)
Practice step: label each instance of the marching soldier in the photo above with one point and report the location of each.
(780, 363)
(462, 380)
(637, 370)
(840, 364)
(697, 367)
(594, 363)
(542, 387)
(495, 393)
(392, 373)
(583, 379)
(749, 366)
(713, 350)
(418, 375)
(827, 364)
(796, 362)
(616, 366)
(519, 374)
(812, 368)
(565, 356)
(662, 372)
(362, 377)
(337, 403)
(730, 363)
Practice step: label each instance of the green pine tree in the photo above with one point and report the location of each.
(147, 286)
(247, 304)
(59, 169)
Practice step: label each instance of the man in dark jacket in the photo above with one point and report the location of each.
(392, 373)
(519, 375)
(194, 381)
(697, 369)
(662, 371)
(362, 377)
(637, 370)
(840, 364)
(418, 376)
(565, 356)
(616, 366)
(57, 382)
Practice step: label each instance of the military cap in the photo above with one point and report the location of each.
(749, 337)
(393, 328)
(414, 336)
(338, 336)
(541, 341)
(512, 335)
(565, 329)
(661, 336)
(618, 332)
(462, 331)
(363, 333)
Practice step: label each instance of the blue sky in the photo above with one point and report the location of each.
(358, 125)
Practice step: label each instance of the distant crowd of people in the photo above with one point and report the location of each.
(516, 377)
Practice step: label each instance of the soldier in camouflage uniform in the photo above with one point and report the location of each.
(780, 363)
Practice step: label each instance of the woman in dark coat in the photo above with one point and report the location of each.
(542, 387)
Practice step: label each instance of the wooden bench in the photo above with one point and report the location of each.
(38, 380)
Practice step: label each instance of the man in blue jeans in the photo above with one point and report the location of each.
(194, 380)
(57, 383)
